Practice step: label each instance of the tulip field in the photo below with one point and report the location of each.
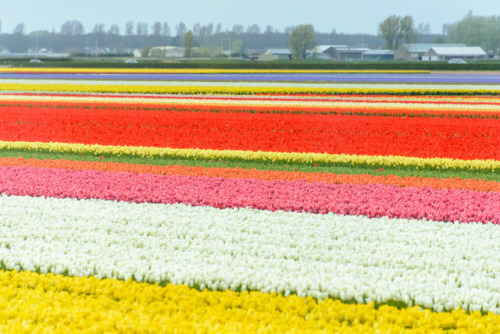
(142, 200)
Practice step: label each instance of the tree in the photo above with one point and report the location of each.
(72, 28)
(145, 51)
(301, 38)
(476, 30)
(408, 33)
(210, 29)
(196, 29)
(166, 29)
(269, 30)
(396, 30)
(218, 28)
(237, 47)
(181, 29)
(156, 28)
(98, 29)
(238, 29)
(114, 30)
(389, 30)
(253, 29)
(188, 43)
(18, 29)
(142, 29)
(424, 29)
(129, 28)
(439, 40)
(203, 32)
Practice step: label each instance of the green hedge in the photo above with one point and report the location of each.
(235, 64)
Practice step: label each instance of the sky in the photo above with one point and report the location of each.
(345, 16)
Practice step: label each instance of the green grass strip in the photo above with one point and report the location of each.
(259, 165)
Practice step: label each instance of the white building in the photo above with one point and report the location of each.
(137, 53)
(320, 51)
(444, 53)
(415, 51)
(276, 54)
(167, 52)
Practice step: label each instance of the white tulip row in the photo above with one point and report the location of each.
(432, 264)
(249, 84)
(273, 102)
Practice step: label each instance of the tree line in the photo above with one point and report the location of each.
(72, 37)
(483, 31)
(392, 32)
(75, 27)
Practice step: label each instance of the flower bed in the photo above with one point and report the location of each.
(280, 209)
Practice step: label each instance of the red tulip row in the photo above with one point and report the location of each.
(458, 138)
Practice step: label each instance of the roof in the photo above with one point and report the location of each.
(323, 48)
(349, 49)
(378, 52)
(459, 51)
(167, 48)
(278, 52)
(424, 47)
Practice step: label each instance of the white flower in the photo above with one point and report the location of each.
(432, 264)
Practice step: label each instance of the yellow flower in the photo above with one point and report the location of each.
(319, 158)
(33, 302)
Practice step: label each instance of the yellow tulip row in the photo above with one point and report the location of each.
(195, 70)
(31, 302)
(302, 158)
(233, 90)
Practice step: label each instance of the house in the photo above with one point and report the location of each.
(444, 53)
(374, 55)
(415, 51)
(275, 54)
(137, 53)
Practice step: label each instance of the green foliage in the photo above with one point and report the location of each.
(439, 40)
(301, 38)
(203, 51)
(481, 31)
(218, 63)
(145, 51)
(261, 165)
(188, 43)
(237, 46)
(397, 30)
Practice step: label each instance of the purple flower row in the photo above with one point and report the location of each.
(280, 77)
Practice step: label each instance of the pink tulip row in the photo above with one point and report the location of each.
(373, 200)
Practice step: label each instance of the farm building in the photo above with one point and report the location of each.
(166, 52)
(276, 54)
(326, 51)
(350, 53)
(447, 53)
(416, 51)
(378, 55)
(137, 53)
